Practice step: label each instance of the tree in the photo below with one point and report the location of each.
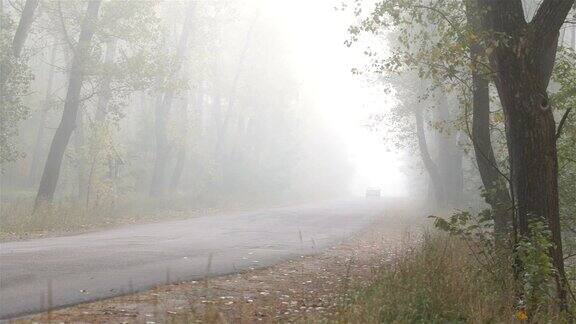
(440, 41)
(162, 110)
(522, 56)
(61, 138)
(14, 77)
(20, 35)
(496, 191)
(35, 164)
(429, 165)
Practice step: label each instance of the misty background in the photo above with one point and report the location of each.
(250, 105)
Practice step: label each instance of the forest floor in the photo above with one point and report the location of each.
(297, 290)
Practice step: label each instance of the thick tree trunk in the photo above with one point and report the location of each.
(523, 67)
(37, 151)
(61, 138)
(495, 189)
(429, 164)
(531, 135)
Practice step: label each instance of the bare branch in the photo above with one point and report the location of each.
(562, 122)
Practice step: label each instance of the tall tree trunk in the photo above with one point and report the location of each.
(162, 110)
(102, 109)
(81, 156)
(181, 156)
(37, 151)
(24, 27)
(523, 67)
(232, 96)
(61, 138)
(429, 164)
(449, 158)
(495, 189)
(178, 168)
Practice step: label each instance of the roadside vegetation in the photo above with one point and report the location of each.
(440, 281)
(19, 220)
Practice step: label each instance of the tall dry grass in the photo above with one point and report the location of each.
(440, 281)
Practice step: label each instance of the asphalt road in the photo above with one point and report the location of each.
(55, 272)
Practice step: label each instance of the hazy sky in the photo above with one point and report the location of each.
(314, 33)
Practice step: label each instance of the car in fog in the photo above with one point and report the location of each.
(373, 193)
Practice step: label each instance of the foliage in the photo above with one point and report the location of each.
(564, 101)
(435, 280)
(15, 86)
(536, 272)
(477, 231)
(537, 269)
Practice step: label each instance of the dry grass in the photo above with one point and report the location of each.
(69, 216)
(438, 281)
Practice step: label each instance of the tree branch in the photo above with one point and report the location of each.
(562, 122)
(551, 15)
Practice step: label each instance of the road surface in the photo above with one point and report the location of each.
(55, 272)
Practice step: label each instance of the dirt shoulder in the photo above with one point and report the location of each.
(308, 287)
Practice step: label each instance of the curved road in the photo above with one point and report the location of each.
(55, 272)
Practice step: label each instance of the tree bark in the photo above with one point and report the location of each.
(523, 67)
(496, 192)
(61, 138)
(495, 189)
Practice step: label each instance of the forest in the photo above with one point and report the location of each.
(153, 144)
(116, 105)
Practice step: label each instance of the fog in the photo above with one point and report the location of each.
(277, 146)
(246, 101)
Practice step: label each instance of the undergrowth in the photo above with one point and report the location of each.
(439, 281)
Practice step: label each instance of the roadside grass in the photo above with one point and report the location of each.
(438, 281)
(18, 220)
